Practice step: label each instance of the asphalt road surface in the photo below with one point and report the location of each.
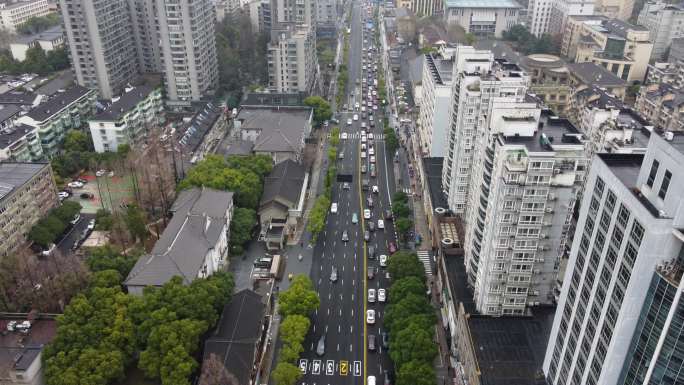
(342, 313)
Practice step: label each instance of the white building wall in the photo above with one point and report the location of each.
(562, 9)
(539, 15)
(500, 19)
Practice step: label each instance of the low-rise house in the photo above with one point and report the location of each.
(62, 112)
(590, 74)
(282, 203)
(242, 337)
(48, 40)
(128, 119)
(279, 132)
(205, 130)
(25, 100)
(663, 105)
(21, 350)
(20, 143)
(193, 245)
(27, 193)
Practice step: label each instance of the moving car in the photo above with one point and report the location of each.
(370, 318)
(371, 252)
(370, 136)
(346, 186)
(333, 275)
(345, 236)
(355, 218)
(77, 218)
(356, 116)
(364, 168)
(87, 195)
(371, 295)
(371, 151)
(392, 247)
(349, 122)
(341, 156)
(363, 153)
(385, 339)
(63, 195)
(320, 348)
(75, 184)
(371, 272)
(344, 134)
(366, 235)
(383, 260)
(376, 190)
(371, 226)
(333, 208)
(388, 215)
(382, 296)
(372, 159)
(366, 214)
(371, 342)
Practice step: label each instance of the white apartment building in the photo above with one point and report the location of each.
(435, 102)
(128, 119)
(614, 9)
(13, 14)
(292, 60)
(486, 18)
(299, 12)
(327, 12)
(620, 313)
(522, 194)
(260, 15)
(613, 129)
(562, 9)
(664, 22)
(476, 78)
(538, 16)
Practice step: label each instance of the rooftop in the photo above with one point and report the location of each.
(621, 28)
(124, 103)
(285, 181)
(440, 68)
(626, 167)
(9, 137)
(199, 126)
(199, 215)
(18, 350)
(47, 35)
(481, 4)
(596, 97)
(237, 333)
(552, 131)
(14, 175)
(18, 97)
(593, 74)
(274, 99)
(57, 103)
(240, 147)
(433, 174)
(8, 110)
(282, 129)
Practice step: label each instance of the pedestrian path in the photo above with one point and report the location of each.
(407, 191)
(424, 257)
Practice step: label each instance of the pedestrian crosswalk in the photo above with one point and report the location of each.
(424, 257)
(406, 191)
(357, 136)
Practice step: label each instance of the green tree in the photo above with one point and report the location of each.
(332, 154)
(259, 164)
(293, 329)
(416, 373)
(77, 141)
(400, 209)
(106, 278)
(470, 39)
(110, 258)
(39, 23)
(406, 307)
(402, 287)
(41, 235)
(335, 136)
(404, 264)
(391, 140)
(317, 216)
(241, 227)
(300, 298)
(403, 225)
(36, 61)
(135, 222)
(58, 59)
(290, 352)
(412, 343)
(103, 220)
(321, 107)
(425, 320)
(67, 211)
(400, 196)
(286, 373)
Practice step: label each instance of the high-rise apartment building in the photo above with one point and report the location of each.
(111, 42)
(260, 15)
(562, 9)
(292, 60)
(620, 317)
(188, 49)
(614, 9)
(299, 12)
(101, 42)
(435, 104)
(538, 16)
(476, 78)
(664, 22)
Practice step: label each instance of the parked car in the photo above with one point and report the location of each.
(392, 247)
(87, 195)
(75, 184)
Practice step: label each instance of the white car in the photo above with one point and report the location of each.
(381, 224)
(366, 214)
(356, 105)
(63, 195)
(376, 190)
(370, 316)
(382, 296)
(372, 159)
(75, 184)
(370, 136)
(371, 295)
(356, 116)
(100, 172)
(363, 125)
(375, 107)
(333, 208)
(363, 155)
(77, 218)
(383, 260)
(371, 151)
(91, 224)
(344, 135)
(363, 146)
(364, 139)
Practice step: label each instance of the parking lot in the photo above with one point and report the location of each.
(107, 192)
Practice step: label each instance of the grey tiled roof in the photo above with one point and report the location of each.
(199, 217)
(6, 139)
(15, 175)
(57, 103)
(282, 129)
(593, 74)
(285, 180)
(125, 103)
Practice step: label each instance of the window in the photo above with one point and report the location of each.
(665, 184)
(653, 173)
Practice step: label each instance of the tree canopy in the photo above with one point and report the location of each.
(110, 258)
(321, 107)
(528, 44)
(49, 229)
(300, 298)
(241, 226)
(405, 264)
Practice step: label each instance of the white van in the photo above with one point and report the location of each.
(333, 208)
(371, 380)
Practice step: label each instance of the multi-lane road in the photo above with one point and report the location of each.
(344, 303)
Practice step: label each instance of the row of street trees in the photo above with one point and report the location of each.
(104, 331)
(410, 319)
(296, 305)
(319, 212)
(402, 213)
(528, 44)
(50, 228)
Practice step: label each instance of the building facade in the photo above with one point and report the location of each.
(14, 14)
(476, 78)
(128, 120)
(20, 143)
(62, 112)
(664, 23)
(48, 40)
(485, 18)
(298, 12)
(260, 15)
(561, 10)
(614, 9)
(539, 16)
(292, 59)
(617, 320)
(27, 193)
(622, 48)
(663, 105)
(435, 103)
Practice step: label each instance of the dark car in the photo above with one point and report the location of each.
(385, 340)
(87, 195)
(371, 272)
(371, 252)
(320, 348)
(392, 247)
(388, 378)
(371, 342)
(371, 226)
(388, 215)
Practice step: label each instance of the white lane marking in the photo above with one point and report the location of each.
(342, 267)
(338, 347)
(353, 282)
(321, 267)
(340, 312)
(354, 267)
(351, 329)
(352, 313)
(329, 296)
(352, 297)
(326, 328)
(341, 296)
(314, 328)
(342, 281)
(328, 311)
(319, 281)
(350, 347)
(312, 346)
